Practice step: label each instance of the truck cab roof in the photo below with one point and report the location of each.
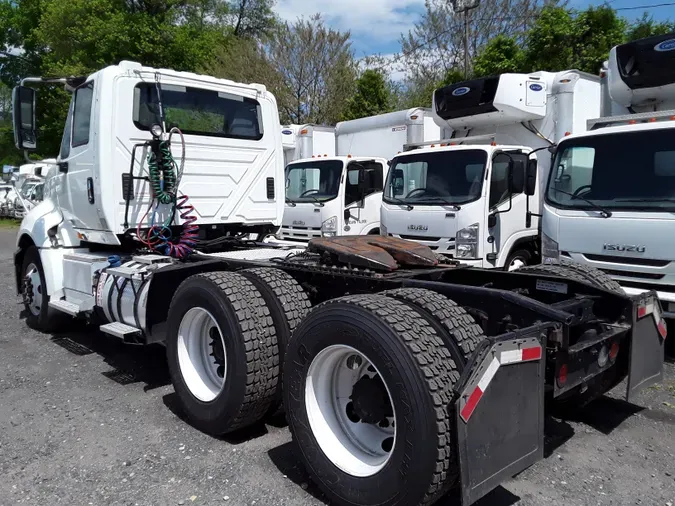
(619, 129)
(485, 147)
(345, 159)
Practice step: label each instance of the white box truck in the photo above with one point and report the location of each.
(610, 200)
(385, 135)
(466, 197)
(306, 141)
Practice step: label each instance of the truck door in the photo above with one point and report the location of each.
(76, 162)
(365, 213)
(499, 239)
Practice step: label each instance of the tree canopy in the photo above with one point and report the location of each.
(309, 66)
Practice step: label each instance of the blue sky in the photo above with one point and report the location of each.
(376, 25)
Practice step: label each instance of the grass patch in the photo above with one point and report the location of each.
(9, 224)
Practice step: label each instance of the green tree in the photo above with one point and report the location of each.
(501, 55)
(372, 96)
(558, 40)
(316, 69)
(646, 27)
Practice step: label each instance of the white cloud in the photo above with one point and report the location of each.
(365, 18)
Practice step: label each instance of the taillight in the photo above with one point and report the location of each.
(614, 351)
(562, 375)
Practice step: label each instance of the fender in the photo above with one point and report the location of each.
(532, 235)
(34, 230)
(37, 223)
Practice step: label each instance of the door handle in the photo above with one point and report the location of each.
(63, 167)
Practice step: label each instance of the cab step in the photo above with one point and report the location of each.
(66, 307)
(121, 330)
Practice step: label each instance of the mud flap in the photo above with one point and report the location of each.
(500, 412)
(646, 346)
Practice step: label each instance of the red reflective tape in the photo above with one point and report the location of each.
(642, 311)
(471, 403)
(532, 353)
(663, 330)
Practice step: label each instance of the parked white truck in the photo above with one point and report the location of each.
(406, 372)
(467, 196)
(610, 200)
(385, 135)
(306, 141)
(324, 197)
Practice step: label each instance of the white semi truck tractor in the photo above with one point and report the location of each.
(402, 369)
(610, 198)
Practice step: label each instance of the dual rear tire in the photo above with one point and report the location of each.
(368, 389)
(225, 344)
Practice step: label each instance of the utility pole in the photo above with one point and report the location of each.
(465, 6)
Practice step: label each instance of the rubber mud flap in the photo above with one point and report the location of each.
(647, 343)
(500, 412)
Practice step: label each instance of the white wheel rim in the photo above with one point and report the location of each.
(516, 264)
(358, 448)
(198, 356)
(34, 301)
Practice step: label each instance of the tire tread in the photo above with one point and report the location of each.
(440, 374)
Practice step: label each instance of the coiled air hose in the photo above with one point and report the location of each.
(165, 176)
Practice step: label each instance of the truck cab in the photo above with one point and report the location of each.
(475, 197)
(332, 196)
(610, 198)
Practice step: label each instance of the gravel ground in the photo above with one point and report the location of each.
(85, 419)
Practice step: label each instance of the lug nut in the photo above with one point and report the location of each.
(354, 362)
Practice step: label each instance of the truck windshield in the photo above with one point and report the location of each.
(454, 177)
(628, 170)
(313, 181)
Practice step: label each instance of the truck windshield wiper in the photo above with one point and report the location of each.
(290, 202)
(444, 201)
(316, 201)
(399, 202)
(605, 213)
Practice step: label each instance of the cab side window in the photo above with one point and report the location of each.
(499, 181)
(84, 96)
(65, 141)
(373, 178)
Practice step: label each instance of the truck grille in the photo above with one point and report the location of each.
(643, 262)
(637, 275)
(300, 234)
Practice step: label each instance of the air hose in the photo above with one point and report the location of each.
(162, 174)
(165, 176)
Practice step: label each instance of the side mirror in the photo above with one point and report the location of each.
(531, 177)
(517, 177)
(492, 220)
(23, 118)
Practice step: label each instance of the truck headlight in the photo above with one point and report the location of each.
(466, 243)
(550, 250)
(329, 227)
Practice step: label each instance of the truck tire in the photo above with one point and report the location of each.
(288, 304)
(361, 444)
(518, 259)
(460, 333)
(578, 272)
(222, 352)
(39, 315)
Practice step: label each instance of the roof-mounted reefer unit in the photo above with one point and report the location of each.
(642, 73)
(506, 99)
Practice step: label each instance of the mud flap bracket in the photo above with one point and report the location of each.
(500, 411)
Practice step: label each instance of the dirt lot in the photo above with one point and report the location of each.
(85, 419)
